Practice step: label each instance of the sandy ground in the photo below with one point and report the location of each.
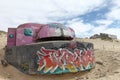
(107, 64)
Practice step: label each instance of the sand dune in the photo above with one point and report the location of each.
(107, 64)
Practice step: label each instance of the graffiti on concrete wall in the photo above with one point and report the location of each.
(62, 60)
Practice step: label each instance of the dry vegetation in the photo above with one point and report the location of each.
(107, 55)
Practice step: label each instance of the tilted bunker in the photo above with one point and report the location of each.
(47, 49)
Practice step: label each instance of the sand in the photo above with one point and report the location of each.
(107, 54)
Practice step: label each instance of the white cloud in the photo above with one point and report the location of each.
(104, 22)
(114, 31)
(15, 12)
(106, 29)
(81, 28)
(114, 13)
(74, 7)
(103, 29)
(105, 25)
(99, 29)
(116, 3)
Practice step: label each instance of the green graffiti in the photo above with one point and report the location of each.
(28, 32)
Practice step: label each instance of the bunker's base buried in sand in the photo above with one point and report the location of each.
(52, 57)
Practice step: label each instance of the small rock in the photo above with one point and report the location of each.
(98, 62)
(87, 77)
(99, 70)
(116, 72)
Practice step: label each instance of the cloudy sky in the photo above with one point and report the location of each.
(86, 17)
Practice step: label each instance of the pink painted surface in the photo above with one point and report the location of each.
(46, 31)
(39, 31)
(43, 32)
(11, 41)
(22, 39)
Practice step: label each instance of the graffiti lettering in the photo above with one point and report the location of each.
(50, 60)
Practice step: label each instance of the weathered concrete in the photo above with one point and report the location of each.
(52, 57)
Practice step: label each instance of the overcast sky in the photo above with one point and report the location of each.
(86, 17)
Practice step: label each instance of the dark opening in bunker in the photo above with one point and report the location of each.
(54, 39)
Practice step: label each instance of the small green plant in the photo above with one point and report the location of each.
(25, 66)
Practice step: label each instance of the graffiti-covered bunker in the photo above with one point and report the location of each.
(47, 49)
